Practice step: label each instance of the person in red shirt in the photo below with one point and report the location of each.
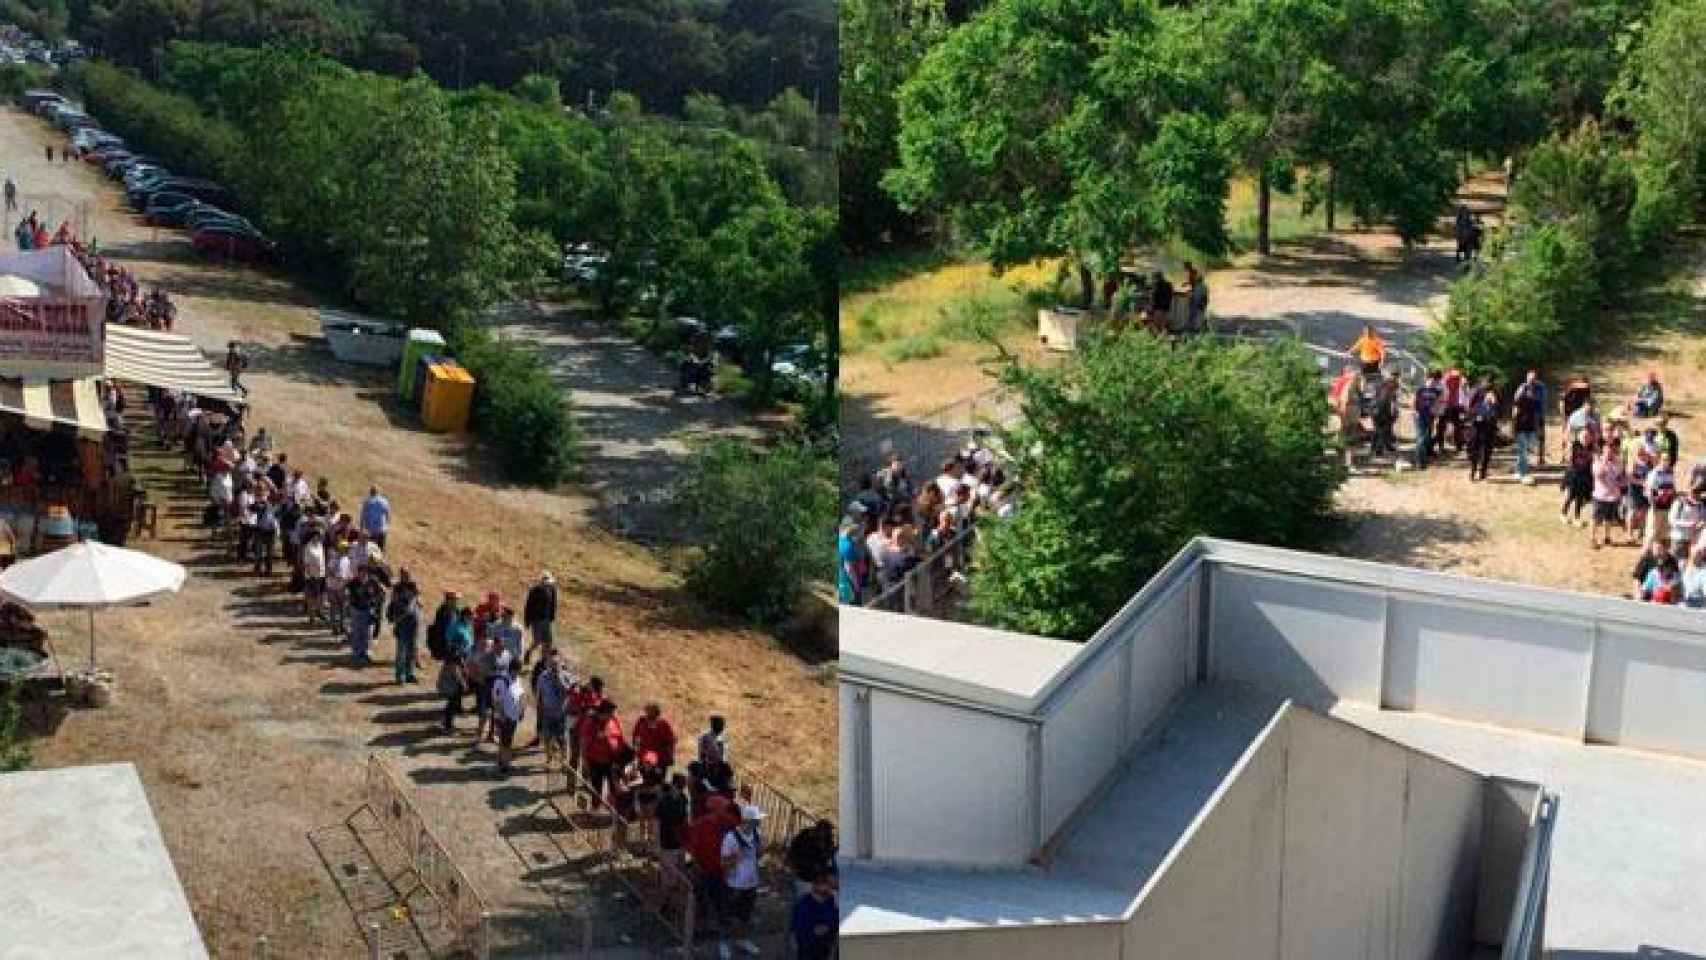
(583, 703)
(603, 742)
(653, 733)
(705, 846)
(487, 613)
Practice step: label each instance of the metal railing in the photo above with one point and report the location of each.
(928, 588)
(783, 817)
(1527, 923)
(462, 908)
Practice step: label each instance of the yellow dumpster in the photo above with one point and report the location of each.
(448, 396)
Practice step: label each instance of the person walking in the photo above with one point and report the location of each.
(376, 517)
(11, 194)
(1427, 395)
(1526, 412)
(1483, 429)
(235, 364)
(508, 708)
(405, 616)
(816, 919)
(551, 699)
(539, 612)
(363, 610)
(1608, 484)
(740, 883)
(452, 684)
(1577, 481)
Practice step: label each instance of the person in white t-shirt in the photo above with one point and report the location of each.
(740, 881)
(313, 576)
(953, 473)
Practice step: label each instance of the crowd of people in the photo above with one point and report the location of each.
(892, 524)
(508, 662)
(1618, 467)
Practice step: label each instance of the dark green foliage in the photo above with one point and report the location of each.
(14, 753)
(520, 410)
(762, 516)
(1129, 453)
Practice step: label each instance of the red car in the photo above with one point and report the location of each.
(233, 244)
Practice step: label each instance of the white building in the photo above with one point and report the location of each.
(1277, 754)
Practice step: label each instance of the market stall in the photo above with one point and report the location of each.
(61, 459)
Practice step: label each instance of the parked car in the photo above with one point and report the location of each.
(118, 166)
(199, 189)
(233, 244)
(168, 209)
(210, 215)
(799, 365)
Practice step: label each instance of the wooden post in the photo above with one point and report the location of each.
(373, 941)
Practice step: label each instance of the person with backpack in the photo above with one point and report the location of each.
(363, 616)
(1427, 395)
(438, 631)
(404, 614)
(740, 883)
(508, 707)
(1483, 430)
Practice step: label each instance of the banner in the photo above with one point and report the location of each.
(52, 337)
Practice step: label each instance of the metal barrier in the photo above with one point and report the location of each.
(463, 909)
(1528, 914)
(783, 818)
(927, 588)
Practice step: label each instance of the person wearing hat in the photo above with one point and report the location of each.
(539, 612)
(740, 883)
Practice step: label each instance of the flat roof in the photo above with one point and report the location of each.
(1103, 864)
(1007, 671)
(1629, 854)
(84, 872)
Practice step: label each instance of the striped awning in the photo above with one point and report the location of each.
(161, 359)
(67, 406)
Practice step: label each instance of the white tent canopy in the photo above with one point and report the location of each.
(90, 576)
(161, 359)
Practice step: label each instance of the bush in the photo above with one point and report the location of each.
(1536, 304)
(763, 517)
(521, 411)
(14, 753)
(1133, 450)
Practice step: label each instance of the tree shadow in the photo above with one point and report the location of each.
(1403, 539)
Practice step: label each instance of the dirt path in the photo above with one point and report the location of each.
(637, 431)
(249, 729)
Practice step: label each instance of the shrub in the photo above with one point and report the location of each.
(14, 753)
(1132, 450)
(521, 411)
(763, 517)
(919, 346)
(1535, 304)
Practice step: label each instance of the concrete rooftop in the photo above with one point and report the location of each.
(1629, 856)
(84, 874)
(1008, 671)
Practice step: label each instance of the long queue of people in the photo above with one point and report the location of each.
(892, 524)
(262, 504)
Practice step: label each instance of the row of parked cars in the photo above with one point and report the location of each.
(162, 197)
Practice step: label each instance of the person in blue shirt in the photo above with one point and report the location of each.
(376, 516)
(816, 920)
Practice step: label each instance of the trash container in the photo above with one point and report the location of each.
(448, 397)
(420, 343)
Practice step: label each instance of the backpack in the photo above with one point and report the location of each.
(436, 644)
(1663, 497)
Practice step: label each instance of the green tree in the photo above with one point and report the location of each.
(1023, 171)
(1133, 449)
(1662, 94)
(758, 568)
(540, 89)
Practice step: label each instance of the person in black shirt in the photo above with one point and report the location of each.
(1525, 423)
(812, 853)
(1160, 300)
(1653, 556)
(672, 810)
(1426, 396)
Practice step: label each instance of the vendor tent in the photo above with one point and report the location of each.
(90, 576)
(55, 405)
(161, 359)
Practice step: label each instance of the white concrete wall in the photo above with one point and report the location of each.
(1084, 941)
(1327, 841)
(1649, 691)
(1473, 662)
(1137, 668)
(948, 785)
(852, 776)
(1507, 813)
(1315, 642)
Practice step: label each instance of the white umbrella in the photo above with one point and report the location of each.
(91, 576)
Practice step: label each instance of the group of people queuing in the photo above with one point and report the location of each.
(31, 233)
(126, 301)
(507, 661)
(892, 524)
